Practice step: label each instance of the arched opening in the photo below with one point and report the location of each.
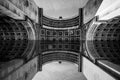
(56, 71)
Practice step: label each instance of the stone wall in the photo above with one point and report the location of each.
(93, 72)
(25, 72)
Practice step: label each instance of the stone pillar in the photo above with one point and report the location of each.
(40, 60)
(81, 39)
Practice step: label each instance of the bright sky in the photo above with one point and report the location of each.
(65, 8)
(56, 71)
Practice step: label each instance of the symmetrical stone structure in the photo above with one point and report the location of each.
(28, 39)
